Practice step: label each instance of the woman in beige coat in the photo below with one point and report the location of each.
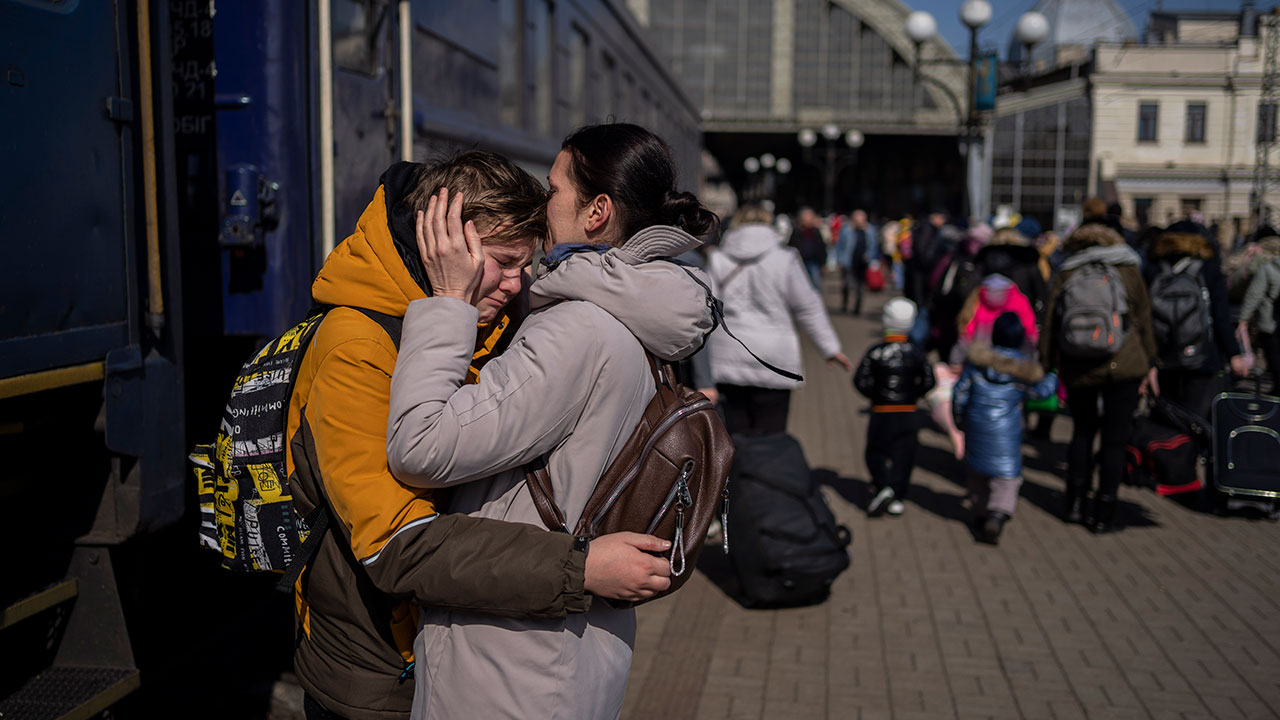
(571, 388)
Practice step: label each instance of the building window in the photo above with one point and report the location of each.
(1196, 113)
(1190, 206)
(1148, 115)
(511, 62)
(1266, 122)
(577, 77)
(1142, 211)
(542, 84)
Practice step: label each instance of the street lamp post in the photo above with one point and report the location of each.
(920, 26)
(832, 134)
(758, 188)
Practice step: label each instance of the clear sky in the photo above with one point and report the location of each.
(996, 34)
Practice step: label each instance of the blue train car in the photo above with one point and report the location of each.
(172, 175)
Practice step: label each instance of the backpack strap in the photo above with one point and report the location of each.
(538, 478)
(318, 519)
(717, 320)
(318, 522)
(738, 267)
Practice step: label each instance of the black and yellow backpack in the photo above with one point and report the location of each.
(246, 510)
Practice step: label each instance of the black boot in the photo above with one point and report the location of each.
(993, 526)
(1104, 515)
(1073, 510)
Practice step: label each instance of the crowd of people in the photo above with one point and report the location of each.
(991, 325)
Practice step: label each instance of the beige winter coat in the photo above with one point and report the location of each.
(573, 385)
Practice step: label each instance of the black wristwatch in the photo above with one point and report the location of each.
(581, 544)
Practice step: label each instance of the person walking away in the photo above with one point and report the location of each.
(807, 240)
(987, 403)
(1012, 255)
(857, 247)
(995, 296)
(924, 244)
(766, 292)
(1190, 318)
(893, 375)
(889, 250)
(954, 281)
(1260, 303)
(1100, 338)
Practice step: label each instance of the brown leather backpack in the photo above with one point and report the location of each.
(668, 481)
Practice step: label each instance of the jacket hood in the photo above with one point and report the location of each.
(1175, 244)
(1003, 365)
(665, 305)
(1092, 234)
(750, 241)
(1092, 242)
(377, 267)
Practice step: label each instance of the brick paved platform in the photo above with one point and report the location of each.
(1177, 616)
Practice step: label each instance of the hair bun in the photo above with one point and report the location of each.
(683, 210)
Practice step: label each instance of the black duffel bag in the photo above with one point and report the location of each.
(786, 546)
(1164, 449)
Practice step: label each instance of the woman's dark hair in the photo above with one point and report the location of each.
(634, 168)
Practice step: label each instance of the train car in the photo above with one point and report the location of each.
(174, 173)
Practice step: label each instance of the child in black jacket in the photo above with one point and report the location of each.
(894, 375)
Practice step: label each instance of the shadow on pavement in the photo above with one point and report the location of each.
(859, 492)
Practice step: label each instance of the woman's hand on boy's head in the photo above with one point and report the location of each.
(450, 251)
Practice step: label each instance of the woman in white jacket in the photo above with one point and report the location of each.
(571, 388)
(766, 291)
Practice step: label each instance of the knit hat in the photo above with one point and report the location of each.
(1029, 228)
(898, 316)
(1007, 331)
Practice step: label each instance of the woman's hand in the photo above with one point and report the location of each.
(450, 251)
(620, 566)
(840, 359)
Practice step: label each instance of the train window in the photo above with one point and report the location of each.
(356, 24)
(542, 86)
(577, 77)
(511, 62)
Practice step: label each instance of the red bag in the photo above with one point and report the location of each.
(875, 277)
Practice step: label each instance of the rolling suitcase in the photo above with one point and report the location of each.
(1246, 448)
(875, 276)
(786, 547)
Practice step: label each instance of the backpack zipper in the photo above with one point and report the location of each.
(681, 481)
(629, 476)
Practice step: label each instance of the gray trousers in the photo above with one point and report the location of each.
(994, 494)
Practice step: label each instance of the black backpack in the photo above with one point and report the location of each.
(1180, 315)
(787, 547)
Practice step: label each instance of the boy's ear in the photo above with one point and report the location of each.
(599, 212)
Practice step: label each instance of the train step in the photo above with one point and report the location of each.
(70, 693)
(38, 602)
